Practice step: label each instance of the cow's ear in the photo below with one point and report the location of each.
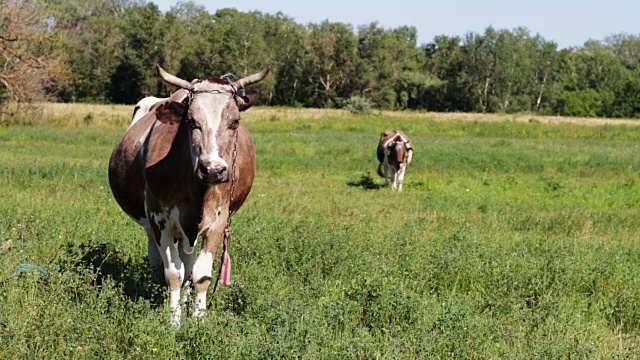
(170, 112)
(246, 101)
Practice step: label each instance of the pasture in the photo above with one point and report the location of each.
(511, 239)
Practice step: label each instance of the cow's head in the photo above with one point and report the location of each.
(398, 148)
(212, 112)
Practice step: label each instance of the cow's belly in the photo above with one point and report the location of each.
(170, 225)
(126, 185)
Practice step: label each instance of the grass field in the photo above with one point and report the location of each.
(512, 240)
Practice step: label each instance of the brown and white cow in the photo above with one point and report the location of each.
(395, 152)
(173, 170)
(143, 107)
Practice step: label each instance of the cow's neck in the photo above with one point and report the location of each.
(174, 173)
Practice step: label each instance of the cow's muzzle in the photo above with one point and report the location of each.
(212, 173)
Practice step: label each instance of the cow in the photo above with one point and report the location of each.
(394, 152)
(143, 107)
(180, 172)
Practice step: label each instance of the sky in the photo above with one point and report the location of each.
(567, 22)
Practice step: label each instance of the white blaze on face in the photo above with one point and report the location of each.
(207, 109)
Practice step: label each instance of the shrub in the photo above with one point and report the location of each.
(585, 103)
(359, 105)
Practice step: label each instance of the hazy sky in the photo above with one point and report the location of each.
(567, 22)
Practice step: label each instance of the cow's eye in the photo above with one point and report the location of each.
(234, 124)
(194, 125)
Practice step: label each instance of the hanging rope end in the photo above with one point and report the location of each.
(226, 258)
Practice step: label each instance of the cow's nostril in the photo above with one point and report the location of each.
(204, 169)
(212, 172)
(217, 170)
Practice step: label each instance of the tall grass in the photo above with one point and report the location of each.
(511, 240)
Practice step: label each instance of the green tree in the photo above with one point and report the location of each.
(94, 51)
(514, 71)
(332, 62)
(242, 47)
(194, 40)
(546, 86)
(111, 48)
(383, 57)
(590, 76)
(626, 103)
(478, 57)
(413, 89)
(177, 44)
(625, 47)
(443, 61)
(135, 76)
(91, 39)
(287, 40)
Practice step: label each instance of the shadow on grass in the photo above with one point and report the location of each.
(104, 261)
(365, 182)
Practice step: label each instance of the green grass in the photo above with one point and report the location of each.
(511, 240)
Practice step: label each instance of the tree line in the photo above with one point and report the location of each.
(106, 51)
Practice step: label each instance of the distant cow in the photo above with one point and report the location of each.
(395, 152)
(180, 171)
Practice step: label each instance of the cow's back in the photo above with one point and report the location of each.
(126, 167)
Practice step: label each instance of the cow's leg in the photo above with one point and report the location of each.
(185, 250)
(155, 262)
(174, 272)
(386, 169)
(395, 179)
(400, 176)
(188, 259)
(202, 270)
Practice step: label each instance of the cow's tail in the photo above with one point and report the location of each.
(380, 173)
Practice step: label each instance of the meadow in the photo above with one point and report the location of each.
(511, 240)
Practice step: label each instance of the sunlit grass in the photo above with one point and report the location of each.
(511, 240)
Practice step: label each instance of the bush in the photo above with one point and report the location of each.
(585, 103)
(627, 101)
(359, 105)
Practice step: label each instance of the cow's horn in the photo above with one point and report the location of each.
(252, 79)
(174, 80)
